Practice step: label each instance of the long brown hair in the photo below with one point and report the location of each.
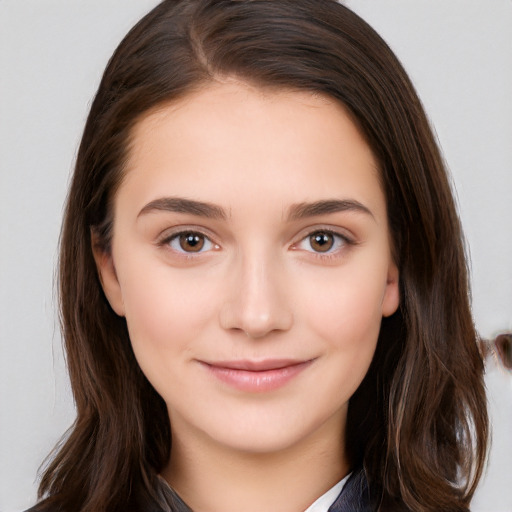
(418, 422)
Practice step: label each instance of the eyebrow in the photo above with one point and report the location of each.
(296, 211)
(304, 210)
(182, 205)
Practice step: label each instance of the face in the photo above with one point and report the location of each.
(251, 259)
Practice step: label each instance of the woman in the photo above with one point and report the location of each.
(263, 286)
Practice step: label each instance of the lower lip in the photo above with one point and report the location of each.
(257, 381)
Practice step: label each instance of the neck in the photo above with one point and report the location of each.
(214, 478)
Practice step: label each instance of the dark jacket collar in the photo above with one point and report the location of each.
(354, 497)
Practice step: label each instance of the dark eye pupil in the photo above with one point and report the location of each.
(191, 242)
(321, 242)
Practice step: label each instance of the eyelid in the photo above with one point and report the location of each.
(341, 234)
(170, 234)
(347, 239)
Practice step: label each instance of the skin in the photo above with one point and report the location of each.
(260, 289)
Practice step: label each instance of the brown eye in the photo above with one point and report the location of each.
(321, 241)
(191, 242)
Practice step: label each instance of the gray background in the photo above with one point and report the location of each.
(52, 54)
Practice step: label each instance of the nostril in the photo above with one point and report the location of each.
(256, 319)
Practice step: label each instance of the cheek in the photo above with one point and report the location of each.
(166, 311)
(346, 309)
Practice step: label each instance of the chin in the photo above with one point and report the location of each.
(270, 430)
(261, 442)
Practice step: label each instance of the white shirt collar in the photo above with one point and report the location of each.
(323, 503)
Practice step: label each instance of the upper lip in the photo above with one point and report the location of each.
(257, 366)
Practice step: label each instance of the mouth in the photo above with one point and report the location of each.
(256, 376)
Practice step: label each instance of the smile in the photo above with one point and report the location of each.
(254, 377)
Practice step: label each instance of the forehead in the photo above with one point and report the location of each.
(231, 140)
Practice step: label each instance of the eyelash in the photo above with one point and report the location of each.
(340, 241)
(167, 241)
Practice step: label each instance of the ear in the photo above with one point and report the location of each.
(107, 275)
(391, 298)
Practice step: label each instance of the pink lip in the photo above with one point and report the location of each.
(257, 376)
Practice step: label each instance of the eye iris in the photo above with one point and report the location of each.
(321, 242)
(191, 242)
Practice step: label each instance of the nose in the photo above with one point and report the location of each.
(256, 302)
